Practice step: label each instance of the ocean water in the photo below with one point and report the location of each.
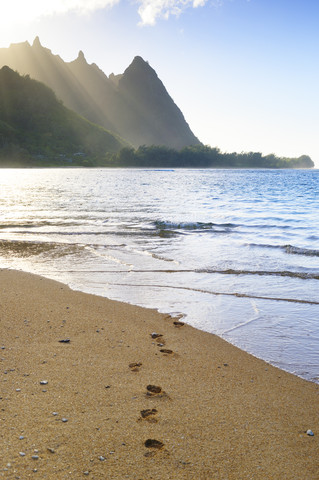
(236, 252)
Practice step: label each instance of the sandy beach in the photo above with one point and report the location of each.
(92, 388)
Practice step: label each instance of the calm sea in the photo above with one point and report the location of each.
(235, 251)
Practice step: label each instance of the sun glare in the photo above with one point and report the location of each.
(17, 15)
(20, 12)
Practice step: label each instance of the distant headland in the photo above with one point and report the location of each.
(54, 113)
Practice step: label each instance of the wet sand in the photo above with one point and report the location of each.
(88, 392)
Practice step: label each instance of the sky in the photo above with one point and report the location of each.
(245, 73)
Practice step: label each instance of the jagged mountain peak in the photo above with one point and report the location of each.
(140, 65)
(81, 57)
(39, 49)
(36, 42)
(141, 78)
(139, 61)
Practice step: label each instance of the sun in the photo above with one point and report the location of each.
(17, 14)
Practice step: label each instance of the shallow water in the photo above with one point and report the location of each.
(236, 251)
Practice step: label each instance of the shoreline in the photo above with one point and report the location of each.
(220, 412)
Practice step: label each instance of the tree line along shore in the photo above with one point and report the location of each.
(37, 130)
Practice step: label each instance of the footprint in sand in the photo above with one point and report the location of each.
(149, 411)
(153, 447)
(148, 415)
(156, 335)
(178, 324)
(153, 390)
(135, 367)
(152, 443)
(156, 392)
(166, 351)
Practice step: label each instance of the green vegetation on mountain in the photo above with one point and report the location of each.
(36, 129)
(200, 156)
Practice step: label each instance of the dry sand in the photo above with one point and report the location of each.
(220, 413)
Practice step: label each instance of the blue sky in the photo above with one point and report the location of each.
(245, 73)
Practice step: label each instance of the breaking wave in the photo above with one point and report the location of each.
(290, 249)
(189, 226)
(301, 251)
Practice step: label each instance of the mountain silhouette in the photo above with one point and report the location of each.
(134, 105)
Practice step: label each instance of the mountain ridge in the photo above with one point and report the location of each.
(134, 104)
